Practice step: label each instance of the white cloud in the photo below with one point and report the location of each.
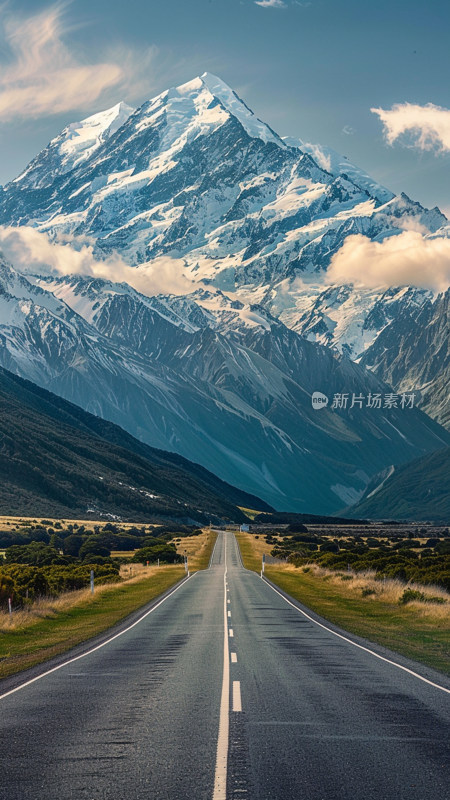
(43, 76)
(428, 126)
(321, 158)
(31, 251)
(402, 260)
(271, 3)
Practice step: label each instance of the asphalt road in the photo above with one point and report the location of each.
(293, 710)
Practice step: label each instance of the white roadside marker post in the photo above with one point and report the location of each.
(263, 564)
(92, 581)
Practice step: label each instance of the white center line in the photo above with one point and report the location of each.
(231, 632)
(234, 658)
(220, 778)
(237, 702)
(229, 613)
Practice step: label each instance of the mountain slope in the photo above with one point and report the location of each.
(238, 402)
(413, 353)
(57, 459)
(417, 491)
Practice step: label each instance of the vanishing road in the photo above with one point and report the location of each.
(226, 690)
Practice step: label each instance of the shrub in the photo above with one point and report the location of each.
(412, 594)
(164, 552)
(22, 581)
(329, 547)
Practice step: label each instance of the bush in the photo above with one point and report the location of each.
(412, 594)
(23, 582)
(163, 552)
(329, 547)
(36, 553)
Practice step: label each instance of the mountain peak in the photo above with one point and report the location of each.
(212, 88)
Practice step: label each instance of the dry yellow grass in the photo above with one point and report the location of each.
(197, 548)
(45, 607)
(249, 512)
(388, 590)
(89, 523)
(352, 584)
(253, 549)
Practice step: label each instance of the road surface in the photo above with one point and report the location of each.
(225, 690)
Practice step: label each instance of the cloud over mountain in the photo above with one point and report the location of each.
(428, 126)
(403, 260)
(32, 251)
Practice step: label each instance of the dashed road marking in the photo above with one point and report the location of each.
(237, 701)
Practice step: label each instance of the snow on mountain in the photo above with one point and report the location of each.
(333, 162)
(347, 317)
(74, 145)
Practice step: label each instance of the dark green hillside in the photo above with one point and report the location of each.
(419, 490)
(58, 460)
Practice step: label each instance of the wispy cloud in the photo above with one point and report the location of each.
(425, 127)
(271, 3)
(281, 3)
(45, 76)
(408, 259)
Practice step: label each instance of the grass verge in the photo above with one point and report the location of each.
(420, 631)
(197, 548)
(76, 617)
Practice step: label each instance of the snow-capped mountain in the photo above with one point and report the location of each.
(194, 177)
(246, 223)
(194, 174)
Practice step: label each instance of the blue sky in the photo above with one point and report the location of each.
(310, 69)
